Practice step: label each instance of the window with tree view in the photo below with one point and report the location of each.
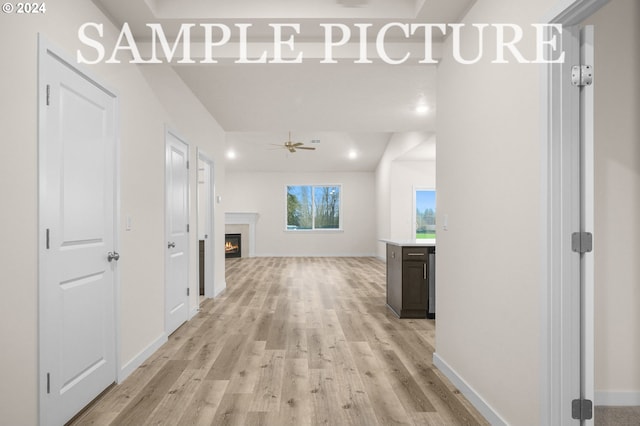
(313, 207)
(425, 214)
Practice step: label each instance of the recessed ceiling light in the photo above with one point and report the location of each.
(353, 154)
(231, 154)
(422, 109)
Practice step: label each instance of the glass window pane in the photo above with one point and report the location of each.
(299, 207)
(327, 207)
(425, 214)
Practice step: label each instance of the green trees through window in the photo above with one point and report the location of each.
(313, 207)
(425, 214)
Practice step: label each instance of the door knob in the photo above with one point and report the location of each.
(111, 256)
(171, 244)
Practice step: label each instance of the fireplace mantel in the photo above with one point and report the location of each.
(244, 218)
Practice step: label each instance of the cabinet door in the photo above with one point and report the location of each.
(415, 291)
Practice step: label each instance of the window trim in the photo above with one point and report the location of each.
(315, 230)
(413, 211)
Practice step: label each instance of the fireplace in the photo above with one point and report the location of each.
(232, 245)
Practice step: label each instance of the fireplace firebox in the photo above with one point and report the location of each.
(232, 245)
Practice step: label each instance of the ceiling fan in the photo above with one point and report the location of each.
(294, 146)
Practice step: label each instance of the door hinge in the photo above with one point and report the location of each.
(581, 409)
(187, 227)
(582, 242)
(188, 292)
(47, 238)
(48, 94)
(187, 164)
(582, 75)
(48, 383)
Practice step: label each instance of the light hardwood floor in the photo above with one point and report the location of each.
(291, 341)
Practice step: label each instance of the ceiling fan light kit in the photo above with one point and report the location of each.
(294, 146)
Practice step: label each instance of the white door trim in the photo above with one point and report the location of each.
(587, 210)
(45, 47)
(560, 170)
(210, 265)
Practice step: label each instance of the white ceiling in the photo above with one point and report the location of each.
(346, 106)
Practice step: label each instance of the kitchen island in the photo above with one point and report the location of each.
(411, 267)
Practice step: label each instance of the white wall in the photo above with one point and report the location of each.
(147, 100)
(395, 179)
(405, 177)
(264, 193)
(617, 203)
(193, 122)
(488, 264)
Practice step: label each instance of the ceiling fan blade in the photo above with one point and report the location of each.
(307, 148)
(297, 144)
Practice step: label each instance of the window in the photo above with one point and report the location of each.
(425, 202)
(313, 207)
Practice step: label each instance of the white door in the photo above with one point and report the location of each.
(177, 232)
(77, 193)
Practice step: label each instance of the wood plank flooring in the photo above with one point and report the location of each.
(291, 341)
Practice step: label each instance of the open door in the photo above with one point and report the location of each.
(567, 379)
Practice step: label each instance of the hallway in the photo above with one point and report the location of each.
(291, 341)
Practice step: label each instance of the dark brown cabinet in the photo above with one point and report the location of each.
(202, 254)
(408, 274)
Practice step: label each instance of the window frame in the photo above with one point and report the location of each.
(313, 206)
(415, 206)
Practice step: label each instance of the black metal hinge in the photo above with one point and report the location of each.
(47, 239)
(582, 409)
(48, 383)
(48, 94)
(187, 227)
(188, 292)
(582, 242)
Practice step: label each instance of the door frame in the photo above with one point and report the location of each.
(561, 216)
(170, 131)
(210, 265)
(46, 47)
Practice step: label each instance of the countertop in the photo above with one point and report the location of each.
(411, 243)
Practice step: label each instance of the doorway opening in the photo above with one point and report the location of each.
(579, 200)
(616, 207)
(206, 228)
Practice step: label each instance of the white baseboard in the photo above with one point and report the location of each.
(472, 396)
(218, 290)
(617, 399)
(194, 312)
(141, 357)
